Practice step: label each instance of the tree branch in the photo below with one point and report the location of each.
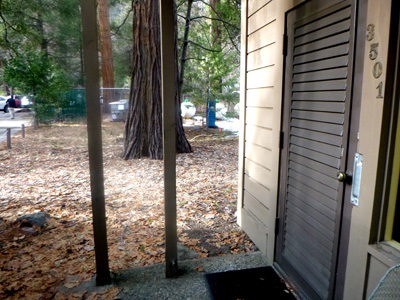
(202, 47)
(193, 58)
(215, 19)
(118, 28)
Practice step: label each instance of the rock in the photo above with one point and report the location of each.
(38, 219)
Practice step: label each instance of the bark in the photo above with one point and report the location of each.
(107, 66)
(143, 127)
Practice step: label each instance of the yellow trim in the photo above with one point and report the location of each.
(394, 187)
(394, 244)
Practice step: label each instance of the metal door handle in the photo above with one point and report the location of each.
(344, 177)
(341, 176)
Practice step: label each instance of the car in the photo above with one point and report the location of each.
(17, 100)
(26, 101)
(3, 104)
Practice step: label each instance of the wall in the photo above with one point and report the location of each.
(263, 24)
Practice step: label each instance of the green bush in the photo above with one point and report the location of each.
(34, 73)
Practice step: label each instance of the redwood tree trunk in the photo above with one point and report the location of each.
(107, 66)
(143, 127)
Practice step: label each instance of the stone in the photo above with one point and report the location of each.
(38, 219)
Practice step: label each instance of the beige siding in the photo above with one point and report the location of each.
(261, 78)
(259, 136)
(261, 58)
(260, 97)
(263, 23)
(264, 36)
(262, 17)
(255, 5)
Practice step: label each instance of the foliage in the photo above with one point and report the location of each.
(54, 27)
(38, 75)
(50, 26)
(212, 68)
(203, 67)
(121, 27)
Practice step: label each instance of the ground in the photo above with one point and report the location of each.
(48, 171)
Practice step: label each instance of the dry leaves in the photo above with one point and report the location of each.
(49, 171)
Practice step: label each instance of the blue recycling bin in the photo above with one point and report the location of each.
(211, 114)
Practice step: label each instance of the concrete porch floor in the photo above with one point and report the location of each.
(150, 283)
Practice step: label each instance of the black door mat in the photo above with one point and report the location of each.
(249, 284)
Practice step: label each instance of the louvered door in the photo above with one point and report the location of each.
(315, 125)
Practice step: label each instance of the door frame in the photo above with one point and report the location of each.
(361, 9)
(356, 56)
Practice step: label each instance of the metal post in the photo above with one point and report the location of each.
(91, 64)
(23, 130)
(9, 138)
(167, 20)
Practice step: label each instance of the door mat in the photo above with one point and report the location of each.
(249, 284)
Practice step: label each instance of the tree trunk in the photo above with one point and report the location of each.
(185, 43)
(143, 127)
(107, 66)
(216, 41)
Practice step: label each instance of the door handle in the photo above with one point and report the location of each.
(344, 177)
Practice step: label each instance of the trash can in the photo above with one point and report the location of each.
(119, 110)
(211, 114)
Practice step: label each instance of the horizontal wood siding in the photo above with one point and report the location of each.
(262, 17)
(262, 58)
(261, 78)
(260, 97)
(263, 23)
(263, 37)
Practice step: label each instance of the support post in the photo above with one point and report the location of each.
(9, 138)
(91, 65)
(23, 130)
(167, 21)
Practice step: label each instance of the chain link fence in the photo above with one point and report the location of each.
(72, 108)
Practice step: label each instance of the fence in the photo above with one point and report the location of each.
(6, 131)
(72, 108)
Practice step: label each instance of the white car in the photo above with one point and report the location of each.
(26, 101)
(3, 104)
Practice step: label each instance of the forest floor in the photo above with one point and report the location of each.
(48, 171)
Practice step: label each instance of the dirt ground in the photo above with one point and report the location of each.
(48, 171)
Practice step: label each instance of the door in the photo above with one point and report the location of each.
(315, 125)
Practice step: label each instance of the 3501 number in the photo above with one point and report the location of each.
(373, 54)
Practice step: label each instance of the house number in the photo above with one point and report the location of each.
(377, 70)
(370, 32)
(373, 54)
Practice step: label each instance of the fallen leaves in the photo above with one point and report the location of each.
(49, 171)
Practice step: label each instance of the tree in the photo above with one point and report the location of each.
(107, 66)
(210, 50)
(49, 26)
(34, 73)
(121, 27)
(143, 127)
